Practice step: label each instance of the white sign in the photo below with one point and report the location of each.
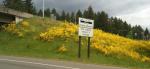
(86, 27)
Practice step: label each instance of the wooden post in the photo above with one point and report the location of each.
(79, 49)
(88, 52)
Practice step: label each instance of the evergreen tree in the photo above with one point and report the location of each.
(14, 4)
(40, 13)
(68, 17)
(90, 13)
(72, 17)
(20, 5)
(63, 15)
(146, 34)
(78, 14)
(54, 11)
(101, 21)
(130, 34)
(85, 14)
(124, 28)
(138, 32)
(47, 12)
(127, 28)
(34, 11)
(57, 16)
(29, 8)
(7, 3)
(96, 24)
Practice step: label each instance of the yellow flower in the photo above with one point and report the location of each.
(25, 24)
(62, 49)
(145, 59)
(104, 43)
(20, 34)
(66, 30)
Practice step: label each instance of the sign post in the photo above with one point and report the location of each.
(79, 50)
(88, 47)
(85, 30)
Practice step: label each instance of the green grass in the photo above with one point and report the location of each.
(27, 46)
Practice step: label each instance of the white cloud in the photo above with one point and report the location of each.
(140, 17)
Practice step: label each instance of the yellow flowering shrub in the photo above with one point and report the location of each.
(62, 49)
(110, 44)
(10, 28)
(145, 59)
(25, 24)
(13, 29)
(65, 30)
(102, 42)
(20, 34)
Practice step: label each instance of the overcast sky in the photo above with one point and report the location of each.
(132, 11)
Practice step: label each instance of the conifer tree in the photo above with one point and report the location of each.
(40, 13)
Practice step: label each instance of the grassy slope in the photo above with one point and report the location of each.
(29, 47)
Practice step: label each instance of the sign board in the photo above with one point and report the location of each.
(86, 27)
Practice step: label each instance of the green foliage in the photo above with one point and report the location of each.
(130, 35)
(63, 15)
(147, 34)
(68, 17)
(72, 17)
(78, 14)
(40, 13)
(14, 4)
(30, 46)
(29, 8)
(101, 19)
(138, 32)
(54, 11)
(47, 12)
(21, 5)
(89, 13)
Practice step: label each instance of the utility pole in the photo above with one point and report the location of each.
(43, 8)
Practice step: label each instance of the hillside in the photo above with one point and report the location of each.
(59, 40)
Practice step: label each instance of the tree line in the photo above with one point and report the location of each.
(102, 20)
(21, 5)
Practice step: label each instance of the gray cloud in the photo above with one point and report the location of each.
(113, 7)
(68, 5)
(129, 10)
(1, 1)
